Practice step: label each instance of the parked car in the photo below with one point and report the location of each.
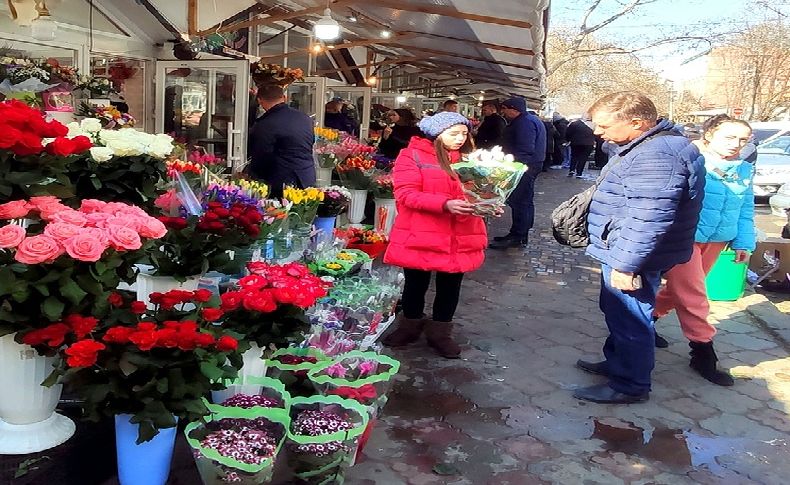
(765, 131)
(780, 203)
(772, 167)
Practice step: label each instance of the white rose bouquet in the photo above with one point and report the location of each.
(488, 178)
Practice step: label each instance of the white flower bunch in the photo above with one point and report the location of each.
(15, 61)
(492, 157)
(121, 143)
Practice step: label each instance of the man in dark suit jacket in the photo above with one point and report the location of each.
(281, 143)
(491, 130)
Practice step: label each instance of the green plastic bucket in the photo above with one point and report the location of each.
(727, 279)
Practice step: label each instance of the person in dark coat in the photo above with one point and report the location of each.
(492, 129)
(397, 136)
(281, 143)
(335, 118)
(601, 156)
(561, 125)
(551, 134)
(642, 222)
(582, 141)
(525, 139)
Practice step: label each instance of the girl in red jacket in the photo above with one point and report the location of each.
(435, 230)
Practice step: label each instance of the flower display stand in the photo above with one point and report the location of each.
(384, 216)
(147, 463)
(356, 210)
(28, 421)
(147, 284)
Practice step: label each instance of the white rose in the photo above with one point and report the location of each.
(102, 154)
(91, 125)
(160, 149)
(74, 129)
(510, 158)
(125, 148)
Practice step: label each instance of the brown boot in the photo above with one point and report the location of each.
(438, 334)
(407, 331)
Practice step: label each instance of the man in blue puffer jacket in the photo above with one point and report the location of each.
(642, 222)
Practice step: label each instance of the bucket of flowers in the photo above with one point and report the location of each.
(304, 205)
(290, 365)
(372, 242)
(97, 87)
(251, 392)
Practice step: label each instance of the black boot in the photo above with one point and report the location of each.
(407, 332)
(510, 242)
(502, 238)
(661, 342)
(703, 360)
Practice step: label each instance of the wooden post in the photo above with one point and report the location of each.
(192, 17)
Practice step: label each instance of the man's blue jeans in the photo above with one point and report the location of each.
(522, 204)
(630, 347)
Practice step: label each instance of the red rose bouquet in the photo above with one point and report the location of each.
(155, 365)
(268, 306)
(60, 261)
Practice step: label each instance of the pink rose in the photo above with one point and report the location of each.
(48, 212)
(70, 216)
(115, 208)
(133, 222)
(97, 219)
(16, 209)
(153, 228)
(97, 233)
(44, 201)
(89, 206)
(133, 210)
(11, 235)
(123, 238)
(85, 247)
(61, 230)
(38, 249)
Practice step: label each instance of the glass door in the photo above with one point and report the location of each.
(349, 104)
(308, 97)
(205, 104)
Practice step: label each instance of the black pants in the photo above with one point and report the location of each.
(448, 290)
(579, 155)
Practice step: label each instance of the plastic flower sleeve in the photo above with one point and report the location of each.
(363, 376)
(290, 366)
(238, 445)
(488, 178)
(187, 196)
(317, 456)
(251, 392)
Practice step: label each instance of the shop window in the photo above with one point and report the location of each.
(128, 76)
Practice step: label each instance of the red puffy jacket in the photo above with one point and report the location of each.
(425, 236)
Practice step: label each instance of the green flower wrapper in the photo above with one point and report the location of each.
(381, 379)
(326, 469)
(252, 386)
(214, 468)
(487, 184)
(294, 376)
(319, 267)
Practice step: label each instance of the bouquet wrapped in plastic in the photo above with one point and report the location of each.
(251, 392)
(238, 445)
(291, 365)
(365, 377)
(323, 437)
(488, 177)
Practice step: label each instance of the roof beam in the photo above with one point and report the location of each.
(192, 16)
(276, 18)
(344, 45)
(454, 66)
(446, 12)
(393, 60)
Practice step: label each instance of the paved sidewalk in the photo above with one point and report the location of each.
(504, 414)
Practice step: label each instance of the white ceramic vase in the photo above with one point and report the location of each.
(356, 210)
(384, 217)
(147, 284)
(28, 421)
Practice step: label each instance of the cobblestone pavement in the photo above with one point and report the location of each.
(504, 414)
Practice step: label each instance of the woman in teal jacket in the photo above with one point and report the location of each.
(726, 219)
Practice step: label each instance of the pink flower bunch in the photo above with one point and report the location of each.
(84, 234)
(205, 158)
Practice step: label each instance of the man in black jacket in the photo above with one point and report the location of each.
(281, 143)
(582, 141)
(490, 132)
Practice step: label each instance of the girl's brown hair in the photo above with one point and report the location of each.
(712, 124)
(443, 155)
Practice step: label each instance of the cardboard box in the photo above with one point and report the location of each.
(779, 248)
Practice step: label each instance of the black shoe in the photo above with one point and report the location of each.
(503, 238)
(509, 243)
(570, 174)
(703, 360)
(604, 394)
(661, 342)
(599, 368)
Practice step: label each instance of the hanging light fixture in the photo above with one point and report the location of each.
(326, 28)
(43, 27)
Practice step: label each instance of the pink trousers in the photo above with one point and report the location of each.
(685, 292)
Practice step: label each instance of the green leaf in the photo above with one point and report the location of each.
(72, 291)
(7, 281)
(52, 308)
(21, 293)
(89, 284)
(211, 371)
(96, 182)
(43, 289)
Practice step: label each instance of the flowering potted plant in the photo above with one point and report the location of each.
(148, 369)
(64, 262)
(336, 200)
(34, 153)
(124, 165)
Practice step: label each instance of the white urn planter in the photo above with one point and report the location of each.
(147, 284)
(384, 217)
(28, 421)
(356, 210)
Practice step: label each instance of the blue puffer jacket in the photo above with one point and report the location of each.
(728, 209)
(645, 212)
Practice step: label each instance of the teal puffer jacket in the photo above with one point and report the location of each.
(728, 206)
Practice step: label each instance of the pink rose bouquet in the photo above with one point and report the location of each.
(56, 260)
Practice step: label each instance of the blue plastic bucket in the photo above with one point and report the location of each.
(147, 463)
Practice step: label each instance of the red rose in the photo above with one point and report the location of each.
(231, 300)
(27, 144)
(222, 212)
(203, 295)
(168, 303)
(204, 340)
(186, 341)
(180, 296)
(9, 137)
(212, 314)
(188, 326)
(52, 335)
(167, 337)
(285, 295)
(177, 223)
(64, 147)
(115, 299)
(83, 353)
(138, 307)
(155, 298)
(253, 281)
(210, 216)
(81, 326)
(146, 326)
(216, 227)
(143, 339)
(118, 335)
(252, 231)
(214, 205)
(227, 344)
(260, 302)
